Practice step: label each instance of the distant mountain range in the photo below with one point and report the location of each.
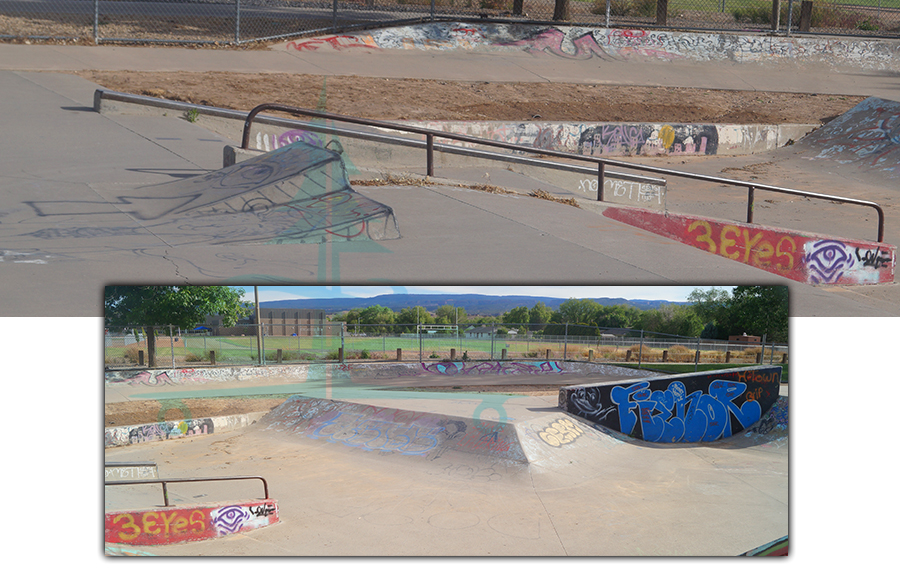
(474, 304)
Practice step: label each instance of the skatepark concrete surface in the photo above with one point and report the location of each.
(70, 177)
(519, 492)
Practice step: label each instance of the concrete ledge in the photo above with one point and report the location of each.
(160, 431)
(172, 525)
(805, 257)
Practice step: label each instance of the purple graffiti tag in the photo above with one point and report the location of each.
(827, 260)
(229, 520)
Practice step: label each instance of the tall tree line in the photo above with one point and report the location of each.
(713, 314)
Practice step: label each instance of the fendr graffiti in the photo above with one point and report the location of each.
(702, 406)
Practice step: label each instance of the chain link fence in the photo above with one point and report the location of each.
(339, 342)
(240, 21)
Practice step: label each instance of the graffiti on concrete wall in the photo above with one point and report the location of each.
(456, 368)
(498, 367)
(130, 472)
(181, 376)
(800, 257)
(269, 142)
(159, 431)
(704, 406)
(626, 139)
(616, 44)
(174, 525)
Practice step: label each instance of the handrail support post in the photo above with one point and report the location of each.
(750, 203)
(601, 179)
(429, 157)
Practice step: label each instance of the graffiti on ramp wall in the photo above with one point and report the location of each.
(683, 408)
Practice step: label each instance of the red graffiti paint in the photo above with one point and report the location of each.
(173, 525)
(801, 257)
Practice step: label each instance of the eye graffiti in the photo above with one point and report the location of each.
(828, 260)
(229, 520)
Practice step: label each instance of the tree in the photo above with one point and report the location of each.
(518, 316)
(759, 310)
(539, 315)
(711, 307)
(377, 315)
(186, 306)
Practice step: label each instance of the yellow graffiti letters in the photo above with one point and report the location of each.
(127, 526)
(706, 236)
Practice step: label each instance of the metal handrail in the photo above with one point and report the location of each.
(601, 163)
(165, 482)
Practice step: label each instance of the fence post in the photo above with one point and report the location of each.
(590, 355)
(517, 7)
(662, 12)
(237, 21)
(503, 354)
(628, 355)
(566, 343)
(96, 21)
(278, 356)
(805, 15)
(452, 354)
(341, 355)
(212, 357)
(776, 15)
(399, 354)
(697, 355)
(548, 354)
(641, 350)
(172, 345)
(665, 356)
(334, 7)
(429, 155)
(140, 357)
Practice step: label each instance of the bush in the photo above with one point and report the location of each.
(824, 15)
(191, 357)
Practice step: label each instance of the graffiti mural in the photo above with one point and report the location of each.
(160, 431)
(608, 44)
(867, 136)
(174, 525)
(800, 257)
(704, 406)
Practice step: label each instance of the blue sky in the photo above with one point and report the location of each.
(280, 293)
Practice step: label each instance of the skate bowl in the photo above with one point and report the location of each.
(683, 408)
(411, 472)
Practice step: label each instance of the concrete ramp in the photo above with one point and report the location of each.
(866, 138)
(393, 431)
(297, 194)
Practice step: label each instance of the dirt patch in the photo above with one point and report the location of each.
(150, 411)
(435, 100)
